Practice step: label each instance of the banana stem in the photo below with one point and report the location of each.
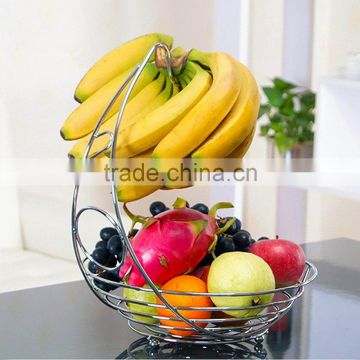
(177, 61)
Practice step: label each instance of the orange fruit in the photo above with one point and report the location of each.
(185, 283)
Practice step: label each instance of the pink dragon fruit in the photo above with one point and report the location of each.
(171, 243)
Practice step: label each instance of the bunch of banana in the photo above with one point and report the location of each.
(209, 111)
(116, 62)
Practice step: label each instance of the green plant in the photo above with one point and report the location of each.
(290, 112)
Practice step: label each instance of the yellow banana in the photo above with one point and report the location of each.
(132, 190)
(175, 89)
(187, 77)
(147, 101)
(199, 123)
(237, 124)
(157, 103)
(184, 79)
(85, 117)
(182, 82)
(122, 58)
(149, 130)
(169, 91)
(140, 103)
(241, 150)
(177, 181)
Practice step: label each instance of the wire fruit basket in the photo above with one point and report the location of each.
(143, 317)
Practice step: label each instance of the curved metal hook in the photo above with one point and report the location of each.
(107, 147)
(78, 238)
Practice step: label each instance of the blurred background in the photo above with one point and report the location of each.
(47, 45)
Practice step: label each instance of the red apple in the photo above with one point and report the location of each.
(285, 258)
(283, 324)
(202, 272)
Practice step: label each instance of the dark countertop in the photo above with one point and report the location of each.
(67, 321)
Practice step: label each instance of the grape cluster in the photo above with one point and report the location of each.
(108, 251)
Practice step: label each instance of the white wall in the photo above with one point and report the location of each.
(266, 62)
(9, 215)
(336, 35)
(298, 41)
(266, 38)
(265, 50)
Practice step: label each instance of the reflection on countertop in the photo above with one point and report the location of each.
(141, 349)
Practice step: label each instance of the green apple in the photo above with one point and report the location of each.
(144, 296)
(240, 272)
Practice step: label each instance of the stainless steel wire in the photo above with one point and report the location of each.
(216, 330)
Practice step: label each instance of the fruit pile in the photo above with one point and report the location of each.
(191, 249)
(210, 112)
